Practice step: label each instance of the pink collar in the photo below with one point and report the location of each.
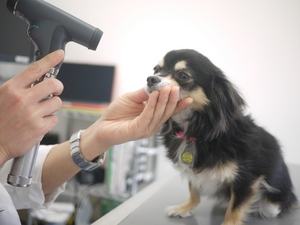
(181, 136)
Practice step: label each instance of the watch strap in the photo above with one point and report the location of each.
(77, 156)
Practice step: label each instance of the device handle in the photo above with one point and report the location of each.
(21, 171)
(22, 168)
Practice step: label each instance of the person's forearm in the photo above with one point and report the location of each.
(59, 166)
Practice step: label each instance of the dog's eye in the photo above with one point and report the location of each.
(183, 76)
(156, 69)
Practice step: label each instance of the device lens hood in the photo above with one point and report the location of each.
(95, 39)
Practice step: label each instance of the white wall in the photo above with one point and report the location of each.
(256, 43)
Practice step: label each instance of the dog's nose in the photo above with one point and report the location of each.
(152, 80)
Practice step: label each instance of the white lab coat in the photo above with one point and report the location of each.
(13, 198)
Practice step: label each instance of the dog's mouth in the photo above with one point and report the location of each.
(157, 83)
(157, 87)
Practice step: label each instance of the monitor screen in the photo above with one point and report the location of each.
(14, 44)
(86, 83)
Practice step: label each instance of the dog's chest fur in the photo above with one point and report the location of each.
(210, 181)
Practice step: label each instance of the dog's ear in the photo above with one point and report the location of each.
(226, 105)
(225, 94)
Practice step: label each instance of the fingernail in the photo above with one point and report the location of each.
(59, 53)
(176, 94)
(167, 90)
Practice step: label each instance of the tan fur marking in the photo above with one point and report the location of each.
(236, 217)
(180, 65)
(228, 171)
(232, 218)
(161, 63)
(200, 99)
(188, 207)
(169, 80)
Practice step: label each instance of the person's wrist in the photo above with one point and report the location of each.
(77, 156)
(3, 156)
(2, 160)
(90, 146)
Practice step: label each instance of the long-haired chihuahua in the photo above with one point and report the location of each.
(221, 151)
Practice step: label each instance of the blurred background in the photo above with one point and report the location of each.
(255, 43)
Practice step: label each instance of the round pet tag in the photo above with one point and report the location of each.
(187, 157)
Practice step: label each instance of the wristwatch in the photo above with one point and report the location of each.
(77, 156)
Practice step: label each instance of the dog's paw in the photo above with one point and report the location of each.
(180, 211)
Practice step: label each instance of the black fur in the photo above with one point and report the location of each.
(225, 134)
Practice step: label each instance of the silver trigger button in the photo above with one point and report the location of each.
(52, 73)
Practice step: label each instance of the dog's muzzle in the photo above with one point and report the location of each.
(157, 83)
(154, 83)
(152, 80)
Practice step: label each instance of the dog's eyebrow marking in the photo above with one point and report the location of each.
(161, 63)
(180, 65)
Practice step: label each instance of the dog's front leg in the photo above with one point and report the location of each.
(187, 208)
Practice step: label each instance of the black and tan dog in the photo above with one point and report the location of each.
(221, 151)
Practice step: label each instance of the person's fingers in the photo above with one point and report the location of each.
(165, 107)
(147, 114)
(50, 106)
(183, 104)
(48, 122)
(172, 103)
(39, 68)
(162, 105)
(45, 89)
(138, 96)
(154, 114)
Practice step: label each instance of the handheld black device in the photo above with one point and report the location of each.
(49, 29)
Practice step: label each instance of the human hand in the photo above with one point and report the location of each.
(24, 117)
(129, 118)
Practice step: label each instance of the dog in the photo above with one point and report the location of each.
(221, 151)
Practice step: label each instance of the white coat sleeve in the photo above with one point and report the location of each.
(32, 196)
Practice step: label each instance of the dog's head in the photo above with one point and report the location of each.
(198, 78)
(189, 70)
